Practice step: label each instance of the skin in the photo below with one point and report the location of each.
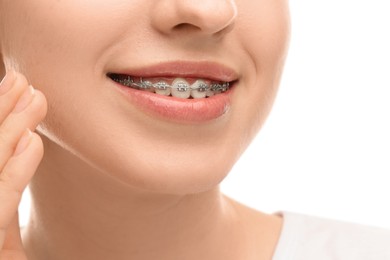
(113, 182)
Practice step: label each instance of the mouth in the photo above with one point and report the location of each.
(184, 88)
(179, 91)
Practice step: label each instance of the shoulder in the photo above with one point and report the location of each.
(307, 237)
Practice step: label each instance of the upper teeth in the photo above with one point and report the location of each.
(179, 88)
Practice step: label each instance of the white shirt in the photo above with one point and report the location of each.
(313, 238)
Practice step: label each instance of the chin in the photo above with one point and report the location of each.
(178, 181)
(175, 174)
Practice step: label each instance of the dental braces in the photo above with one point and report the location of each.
(180, 87)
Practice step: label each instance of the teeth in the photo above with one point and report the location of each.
(199, 89)
(180, 88)
(146, 85)
(216, 88)
(127, 81)
(162, 88)
(209, 93)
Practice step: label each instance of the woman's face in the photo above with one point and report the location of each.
(162, 143)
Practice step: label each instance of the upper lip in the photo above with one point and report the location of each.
(184, 69)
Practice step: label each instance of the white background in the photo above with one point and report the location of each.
(325, 149)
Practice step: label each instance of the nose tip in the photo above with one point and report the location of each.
(202, 16)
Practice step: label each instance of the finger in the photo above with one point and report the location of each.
(11, 88)
(15, 255)
(16, 175)
(13, 239)
(13, 247)
(18, 120)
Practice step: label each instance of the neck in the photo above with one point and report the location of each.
(80, 213)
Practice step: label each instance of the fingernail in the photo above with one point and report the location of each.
(23, 142)
(7, 82)
(24, 100)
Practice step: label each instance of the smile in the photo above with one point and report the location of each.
(177, 91)
(185, 88)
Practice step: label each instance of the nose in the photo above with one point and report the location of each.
(201, 16)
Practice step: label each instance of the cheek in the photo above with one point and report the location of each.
(263, 28)
(41, 34)
(56, 44)
(264, 31)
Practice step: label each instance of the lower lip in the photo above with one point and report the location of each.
(178, 109)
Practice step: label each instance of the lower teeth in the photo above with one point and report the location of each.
(180, 87)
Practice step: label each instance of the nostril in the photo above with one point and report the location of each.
(186, 27)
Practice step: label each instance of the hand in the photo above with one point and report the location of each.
(21, 110)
